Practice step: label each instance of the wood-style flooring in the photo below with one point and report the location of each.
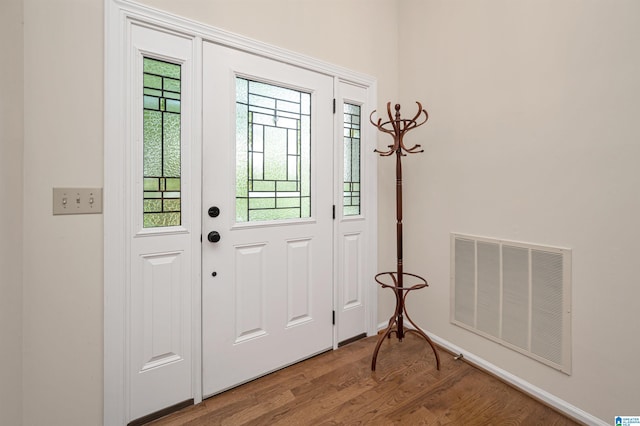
(339, 388)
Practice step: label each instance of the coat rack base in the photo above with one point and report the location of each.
(394, 281)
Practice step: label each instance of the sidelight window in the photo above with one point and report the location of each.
(351, 200)
(161, 135)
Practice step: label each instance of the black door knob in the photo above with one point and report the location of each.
(213, 211)
(213, 237)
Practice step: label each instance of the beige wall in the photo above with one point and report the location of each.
(63, 100)
(11, 139)
(533, 137)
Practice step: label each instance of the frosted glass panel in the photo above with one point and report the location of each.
(351, 198)
(273, 145)
(161, 144)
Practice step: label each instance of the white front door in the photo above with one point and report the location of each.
(267, 197)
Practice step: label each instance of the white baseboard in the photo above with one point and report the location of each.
(545, 397)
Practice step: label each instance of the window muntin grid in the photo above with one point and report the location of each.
(161, 143)
(351, 190)
(273, 145)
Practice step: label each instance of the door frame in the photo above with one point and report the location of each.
(119, 16)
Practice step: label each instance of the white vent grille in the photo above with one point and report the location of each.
(516, 294)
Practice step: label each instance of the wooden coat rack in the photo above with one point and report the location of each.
(397, 127)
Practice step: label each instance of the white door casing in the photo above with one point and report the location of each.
(131, 256)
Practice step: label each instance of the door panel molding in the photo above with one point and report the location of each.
(250, 277)
(299, 279)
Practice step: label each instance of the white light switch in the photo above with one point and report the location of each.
(77, 200)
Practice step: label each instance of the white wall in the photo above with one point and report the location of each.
(63, 99)
(533, 137)
(11, 145)
(63, 146)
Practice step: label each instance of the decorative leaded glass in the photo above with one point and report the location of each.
(273, 144)
(351, 200)
(161, 134)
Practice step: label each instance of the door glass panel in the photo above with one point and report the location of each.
(161, 136)
(273, 144)
(351, 200)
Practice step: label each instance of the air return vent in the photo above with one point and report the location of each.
(516, 294)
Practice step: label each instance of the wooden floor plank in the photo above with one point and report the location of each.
(338, 388)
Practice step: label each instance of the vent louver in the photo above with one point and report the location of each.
(516, 294)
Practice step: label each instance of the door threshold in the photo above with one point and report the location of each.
(352, 339)
(160, 413)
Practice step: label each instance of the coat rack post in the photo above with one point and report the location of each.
(397, 127)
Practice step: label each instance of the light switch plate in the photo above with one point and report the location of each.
(77, 200)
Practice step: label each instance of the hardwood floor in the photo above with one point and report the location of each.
(338, 387)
